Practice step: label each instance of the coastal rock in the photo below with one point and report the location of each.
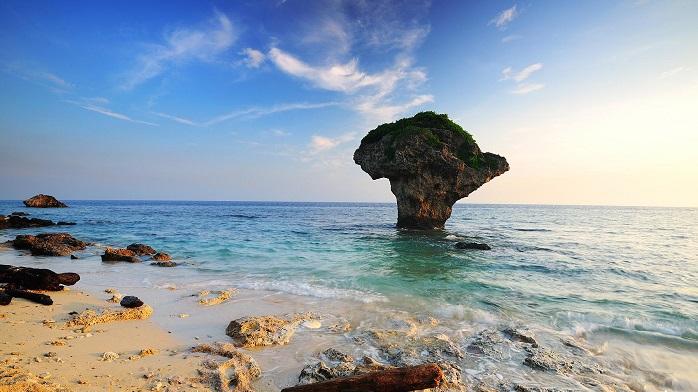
(520, 335)
(431, 163)
(36, 278)
(215, 297)
(19, 213)
(472, 245)
(89, 317)
(44, 201)
(21, 222)
(161, 256)
(164, 264)
(114, 254)
(256, 331)
(141, 249)
(237, 373)
(73, 257)
(5, 299)
(130, 301)
(487, 342)
(49, 244)
(335, 363)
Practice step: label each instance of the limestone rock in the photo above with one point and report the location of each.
(44, 201)
(141, 249)
(431, 163)
(49, 244)
(114, 254)
(256, 331)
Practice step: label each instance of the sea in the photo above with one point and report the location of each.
(625, 278)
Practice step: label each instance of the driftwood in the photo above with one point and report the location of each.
(390, 380)
(36, 278)
(34, 297)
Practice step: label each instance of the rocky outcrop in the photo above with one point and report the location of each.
(236, 373)
(141, 249)
(431, 163)
(472, 245)
(49, 244)
(44, 201)
(114, 254)
(162, 256)
(15, 221)
(130, 301)
(265, 330)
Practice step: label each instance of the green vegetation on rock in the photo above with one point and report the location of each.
(423, 123)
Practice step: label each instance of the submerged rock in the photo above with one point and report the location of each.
(164, 264)
(44, 201)
(49, 244)
(162, 256)
(256, 331)
(141, 249)
(215, 297)
(114, 254)
(472, 245)
(431, 163)
(130, 301)
(21, 222)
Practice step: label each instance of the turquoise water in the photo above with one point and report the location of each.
(631, 272)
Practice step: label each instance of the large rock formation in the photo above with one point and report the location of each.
(431, 163)
(44, 201)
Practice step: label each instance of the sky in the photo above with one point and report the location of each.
(591, 102)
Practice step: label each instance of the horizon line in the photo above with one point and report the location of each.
(369, 202)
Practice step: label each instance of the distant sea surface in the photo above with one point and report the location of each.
(626, 271)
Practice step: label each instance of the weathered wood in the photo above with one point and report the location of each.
(34, 297)
(389, 380)
(36, 278)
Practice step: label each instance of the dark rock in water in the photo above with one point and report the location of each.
(141, 249)
(73, 257)
(19, 213)
(62, 223)
(472, 245)
(431, 163)
(36, 278)
(130, 301)
(161, 256)
(49, 244)
(5, 299)
(114, 254)
(44, 201)
(21, 222)
(164, 264)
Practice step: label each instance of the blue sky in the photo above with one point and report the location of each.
(592, 102)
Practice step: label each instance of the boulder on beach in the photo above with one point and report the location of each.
(431, 163)
(36, 278)
(141, 249)
(115, 254)
(44, 201)
(256, 331)
(131, 301)
(49, 244)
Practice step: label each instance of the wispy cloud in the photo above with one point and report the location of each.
(526, 88)
(178, 119)
(520, 76)
(319, 143)
(510, 38)
(374, 108)
(110, 113)
(671, 72)
(183, 45)
(257, 111)
(36, 75)
(505, 17)
(253, 57)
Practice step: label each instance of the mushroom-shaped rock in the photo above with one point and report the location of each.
(431, 163)
(44, 201)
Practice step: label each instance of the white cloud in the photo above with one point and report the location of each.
(42, 77)
(320, 143)
(253, 57)
(178, 119)
(264, 111)
(671, 72)
(381, 111)
(280, 132)
(510, 38)
(508, 73)
(108, 112)
(505, 17)
(183, 45)
(526, 88)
